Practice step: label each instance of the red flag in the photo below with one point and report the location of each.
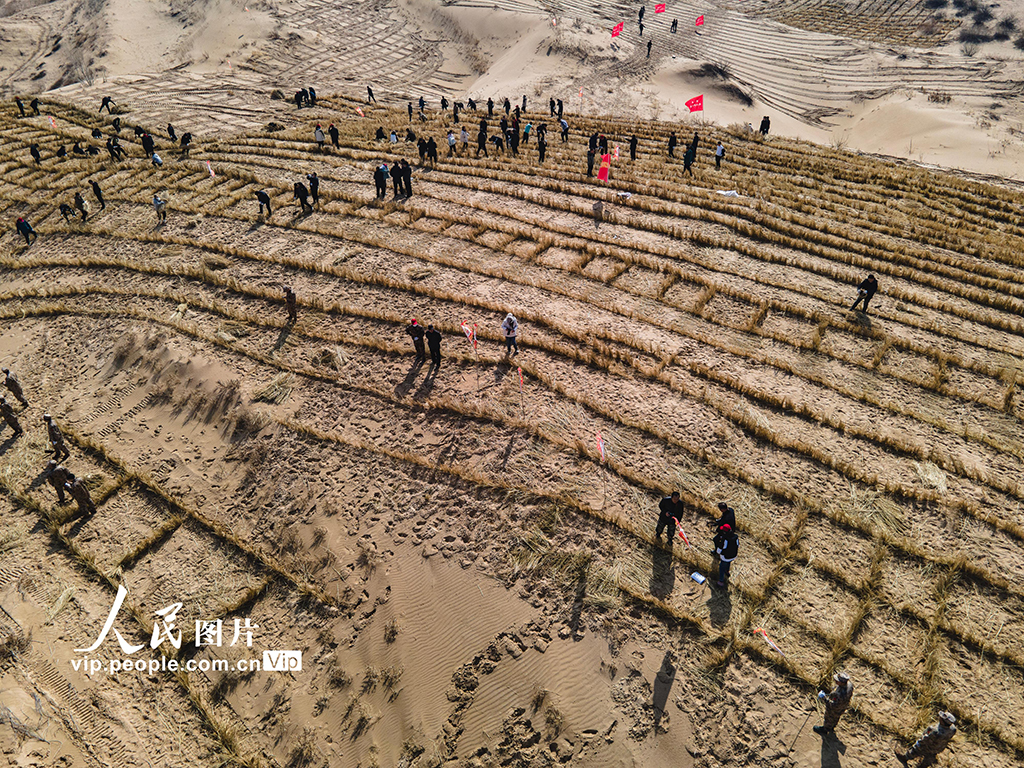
(696, 104)
(600, 445)
(210, 169)
(616, 151)
(474, 337)
(606, 164)
(361, 114)
(617, 29)
(520, 381)
(700, 21)
(53, 123)
(659, 8)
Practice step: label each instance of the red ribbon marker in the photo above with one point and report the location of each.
(600, 445)
(520, 381)
(760, 631)
(682, 535)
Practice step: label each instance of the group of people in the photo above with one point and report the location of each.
(401, 176)
(58, 476)
(117, 152)
(726, 546)
(432, 337)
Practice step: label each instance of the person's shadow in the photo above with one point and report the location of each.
(283, 336)
(663, 574)
(403, 389)
(428, 382)
(719, 607)
(831, 747)
(662, 686)
(501, 370)
(8, 443)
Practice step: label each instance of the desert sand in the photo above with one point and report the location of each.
(466, 557)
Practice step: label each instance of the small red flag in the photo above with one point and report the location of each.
(600, 445)
(659, 8)
(606, 164)
(696, 104)
(361, 114)
(617, 29)
(700, 21)
(520, 381)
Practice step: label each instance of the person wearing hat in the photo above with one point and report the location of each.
(670, 510)
(727, 517)
(434, 343)
(415, 330)
(510, 327)
(8, 415)
(12, 383)
(935, 739)
(836, 702)
(80, 493)
(60, 451)
(58, 476)
(727, 545)
(289, 300)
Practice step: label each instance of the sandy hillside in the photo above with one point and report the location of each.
(471, 573)
(935, 82)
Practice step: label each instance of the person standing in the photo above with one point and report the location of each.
(688, 160)
(415, 331)
(98, 193)
(264, 200)
(380, 179)
(106, 103)
(490, 107)
(726, 548)
(289, 300)
(670, 509)
(649, 42)
(551, 103)
(766, 125)
(481, 143)
(407, 177)
(464, 138)
(14, 386)
(590, 162)
(34, 151)
(396, 179)
(314, 187)
(370, 97)
(727, 516)
(170, 133)
(865, 291)
(432, 151)
(7, 412)
(21, 105)
(511, 328)
(410, 113)
(160, 206)
(332, 131)
(542, 146)
(451, 143)
(672, 142)
(80, 204)
(434, 344)
(559, 109)
(524, 102)
(148, 145)
(836, 702)
(26, 230)
(53, 433)
(311, 96)
(423, 103)
(185, 143)
(57, 477)
(565, 129)
(508, 106)
(318, 136)
(719, 155)
(932, 742)
(632, 147)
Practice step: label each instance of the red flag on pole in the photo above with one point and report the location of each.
(659, 8)
(360, 111)
(696, 104)
(474, 337)
(700, 21)
(617, 29)
(606, 164)
(520, 381)
(600, 445)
